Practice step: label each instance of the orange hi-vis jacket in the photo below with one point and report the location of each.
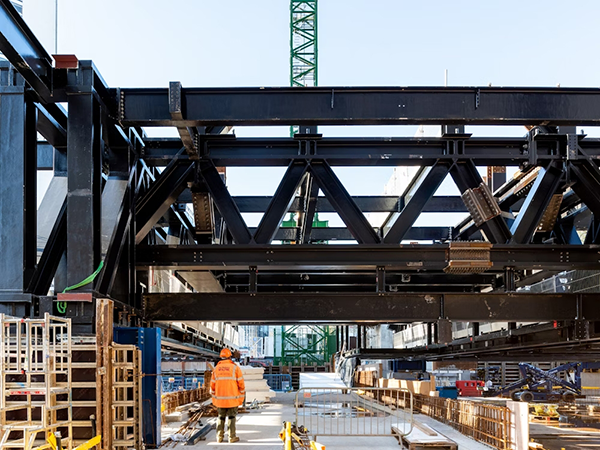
(227, 386)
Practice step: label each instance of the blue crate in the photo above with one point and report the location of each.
(447, 391)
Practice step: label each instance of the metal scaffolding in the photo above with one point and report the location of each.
(304, 344)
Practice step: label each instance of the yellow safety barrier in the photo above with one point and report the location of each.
(90, 444)
(52, 444)
(288, 436)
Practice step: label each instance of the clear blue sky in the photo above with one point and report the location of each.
(241, 43)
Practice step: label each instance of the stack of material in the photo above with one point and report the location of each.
(414, 386)
(256, 386)
(320, 380)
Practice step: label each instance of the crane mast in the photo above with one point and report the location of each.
(303, 43)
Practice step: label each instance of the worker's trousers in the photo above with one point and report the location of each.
(230, 413)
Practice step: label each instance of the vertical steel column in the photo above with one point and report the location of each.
(358, 337)
(347, 337)
(84, 186)
(510, 286)
(18, 187)
(429, 329)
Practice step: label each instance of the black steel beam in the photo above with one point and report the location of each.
(362, 278)
(344, 234)
(326, 288)
(84, 167)
(228, 150)
(366, 203)
(224, 203)
(419, 195)
(55, 247)
(52, 125)
(538, 198)
(364, 106)
(18, 192)
(593, 233)
(587, 185)
(411, 257)
(162, 194)
(341, 200)
(505, 349)
(119, 242)
(187, 135)
(280, 203)
(24, 51)
(374, 307)
(45, 156)
(309, 209)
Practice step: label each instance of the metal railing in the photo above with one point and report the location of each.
(279, 382)
(489, 424)
(180, 383)
(354, 411)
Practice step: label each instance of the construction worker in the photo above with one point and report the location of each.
(227, 389)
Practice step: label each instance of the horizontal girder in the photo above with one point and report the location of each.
(362, 106)
(228, 150)
(369, 308)
(410, 257)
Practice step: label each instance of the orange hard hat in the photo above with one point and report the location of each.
(225, 353)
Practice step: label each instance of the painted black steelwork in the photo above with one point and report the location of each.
(535, 205)
(365, 307)
(409, 257)
(280, 203)
(25, 52)
(163, 193)
(18, 186)
(101, 139)
(343, 203)
(423, 191)
(224, 203)
(364, 106)
(84, 168)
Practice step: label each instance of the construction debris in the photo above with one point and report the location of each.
(193, 430)
(189, 428)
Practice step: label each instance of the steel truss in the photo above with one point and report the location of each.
(121, 197)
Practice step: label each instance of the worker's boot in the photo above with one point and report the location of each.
(231, 430)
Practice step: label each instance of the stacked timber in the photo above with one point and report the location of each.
(256, 386)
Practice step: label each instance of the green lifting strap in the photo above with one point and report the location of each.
(62, 306)
(87, 280)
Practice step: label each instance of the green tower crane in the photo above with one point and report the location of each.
(303, 344)
(303, 43)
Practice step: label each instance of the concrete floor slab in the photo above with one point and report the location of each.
(259, 429)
